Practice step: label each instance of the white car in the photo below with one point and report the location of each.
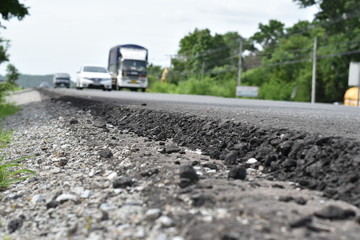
(93, 76)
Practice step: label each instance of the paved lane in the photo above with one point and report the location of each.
(323, 119)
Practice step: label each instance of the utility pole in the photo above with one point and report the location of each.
(171, 69)
(240, 63)
(313, 82)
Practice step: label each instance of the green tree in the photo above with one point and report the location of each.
(287, 52)
(339, 45)
(8, 10)
(333, 13)
(12, 74)
(12, 8)
(154, 73)
(199, 52)
(285, 70)
(231, 39)
(268, 36)
(3, 48)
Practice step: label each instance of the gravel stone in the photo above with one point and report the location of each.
(165, 221)
(73, 121)
(211, 166)
(86, 194)
(171, 149)
(153, 213)
(36, 199)
(15, 224)
(105, 153)
(230, 158)
(99, 123)
(335, 213)
(66, 197)
(302, 222)
(188, 176)
(123, 182)
(252, 161)
(62, 162)
(199, 200)
(150, 172)
(237, 172)
(52, 204)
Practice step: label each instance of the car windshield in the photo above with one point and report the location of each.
(136, 65)
(62, 75)
(95, 69)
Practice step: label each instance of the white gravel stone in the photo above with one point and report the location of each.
(165, 221)
(66, 197)
(86, 194)
(36, 199)
(251, 161)
(112, 176)
(177, 238)
(91, 173)
(107, 207)
(153, 213)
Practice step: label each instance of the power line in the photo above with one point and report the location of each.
(338, 54)
(204, 53)
(343, 17)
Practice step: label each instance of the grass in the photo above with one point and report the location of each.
(10, 171)
(8, 176)
(7, 109)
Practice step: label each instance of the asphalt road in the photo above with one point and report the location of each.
(321, 119)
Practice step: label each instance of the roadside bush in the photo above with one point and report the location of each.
(276, 89)
(204, 86)
(162, 87)
(8, 109)
(5, 87)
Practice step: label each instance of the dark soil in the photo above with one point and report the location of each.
(327, 164)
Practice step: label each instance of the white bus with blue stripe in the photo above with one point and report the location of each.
(127, 66)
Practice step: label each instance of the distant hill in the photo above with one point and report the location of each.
(30, 81)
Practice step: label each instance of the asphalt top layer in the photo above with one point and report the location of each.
(323, 119)
(329, 164)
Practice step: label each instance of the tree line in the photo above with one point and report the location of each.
(9, 9)
(276, 58)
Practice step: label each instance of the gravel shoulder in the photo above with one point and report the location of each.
(98, 179)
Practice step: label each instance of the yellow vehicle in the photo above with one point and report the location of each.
(351, 96)
(164, 74)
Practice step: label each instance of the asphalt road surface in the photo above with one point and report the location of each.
(321, 119)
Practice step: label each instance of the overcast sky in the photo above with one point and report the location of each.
(60, 35)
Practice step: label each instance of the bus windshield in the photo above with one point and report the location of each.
(135, 65)
(95, 69)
